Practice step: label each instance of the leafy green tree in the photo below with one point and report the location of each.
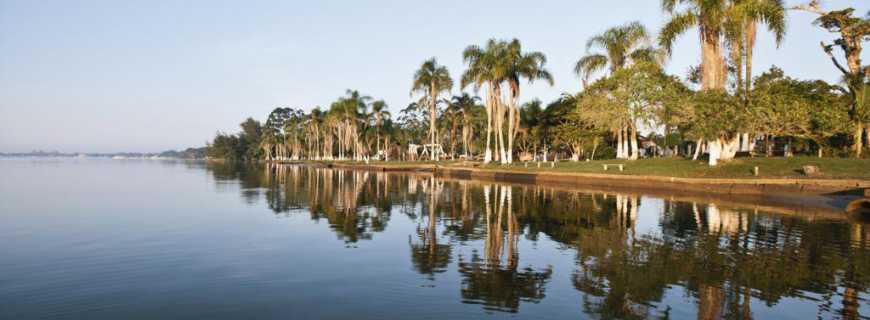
(717, 114)
(225, 147)
(251, 133)
(629, 98)
(853, 31)
(624, 46)
(805, 109)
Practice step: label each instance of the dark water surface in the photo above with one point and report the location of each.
(109, 239)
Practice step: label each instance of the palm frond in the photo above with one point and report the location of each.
(677, 25)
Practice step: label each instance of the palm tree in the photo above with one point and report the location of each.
(379, 114)
(348, 113)
(451, 120)
(622, 45)
(486, 66)
(467, 106)
(711, 18)
(521, 65)
(743, 19)
(431, 80)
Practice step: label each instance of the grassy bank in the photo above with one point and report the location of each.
(831, 168)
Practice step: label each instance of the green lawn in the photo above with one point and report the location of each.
(831, 168)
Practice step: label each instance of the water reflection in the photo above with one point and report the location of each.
(635, 256)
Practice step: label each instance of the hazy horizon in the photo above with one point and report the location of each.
(137, 76)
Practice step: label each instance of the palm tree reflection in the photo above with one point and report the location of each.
(427, 255)
(497, 284)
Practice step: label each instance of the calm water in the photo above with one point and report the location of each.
(108, 239)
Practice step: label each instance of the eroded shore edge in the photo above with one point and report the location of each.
(810, 198)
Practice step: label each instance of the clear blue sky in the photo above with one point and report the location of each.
(107, 76)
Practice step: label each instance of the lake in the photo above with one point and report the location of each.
(139, 239)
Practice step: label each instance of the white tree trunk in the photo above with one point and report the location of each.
(634, 149)
(728, 148)
(714, 148)
(697, 149)
(752, 142)
(619, 152)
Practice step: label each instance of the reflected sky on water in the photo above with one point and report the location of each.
(103, 239)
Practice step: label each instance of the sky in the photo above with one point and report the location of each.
(148, 76)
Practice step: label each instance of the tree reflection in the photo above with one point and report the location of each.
(497, 284)
(427, 255)
(727, 260)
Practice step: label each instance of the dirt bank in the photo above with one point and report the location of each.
(820, 198)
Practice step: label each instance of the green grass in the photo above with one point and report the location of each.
(831, 168)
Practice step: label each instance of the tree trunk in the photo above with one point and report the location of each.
(697, 149)
(768, 145)
(713, 74)
(513, 119)
(714, 148)
(634, 152)
(433, 131)
(487, 154)
(594, 147)
(619, 152)
(744, 142)
(867, 134)
(751, 30)
(857, 144)
(626, 147)
(729, 147)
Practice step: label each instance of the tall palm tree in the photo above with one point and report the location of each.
(432, 80)
(712, 19)
(622, 45)
(521, 65)
(743, 19)
(710, 16)
(486, 66)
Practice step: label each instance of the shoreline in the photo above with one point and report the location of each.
(717, 185)
(812, 198)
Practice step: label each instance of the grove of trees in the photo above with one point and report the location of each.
(629, 107)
